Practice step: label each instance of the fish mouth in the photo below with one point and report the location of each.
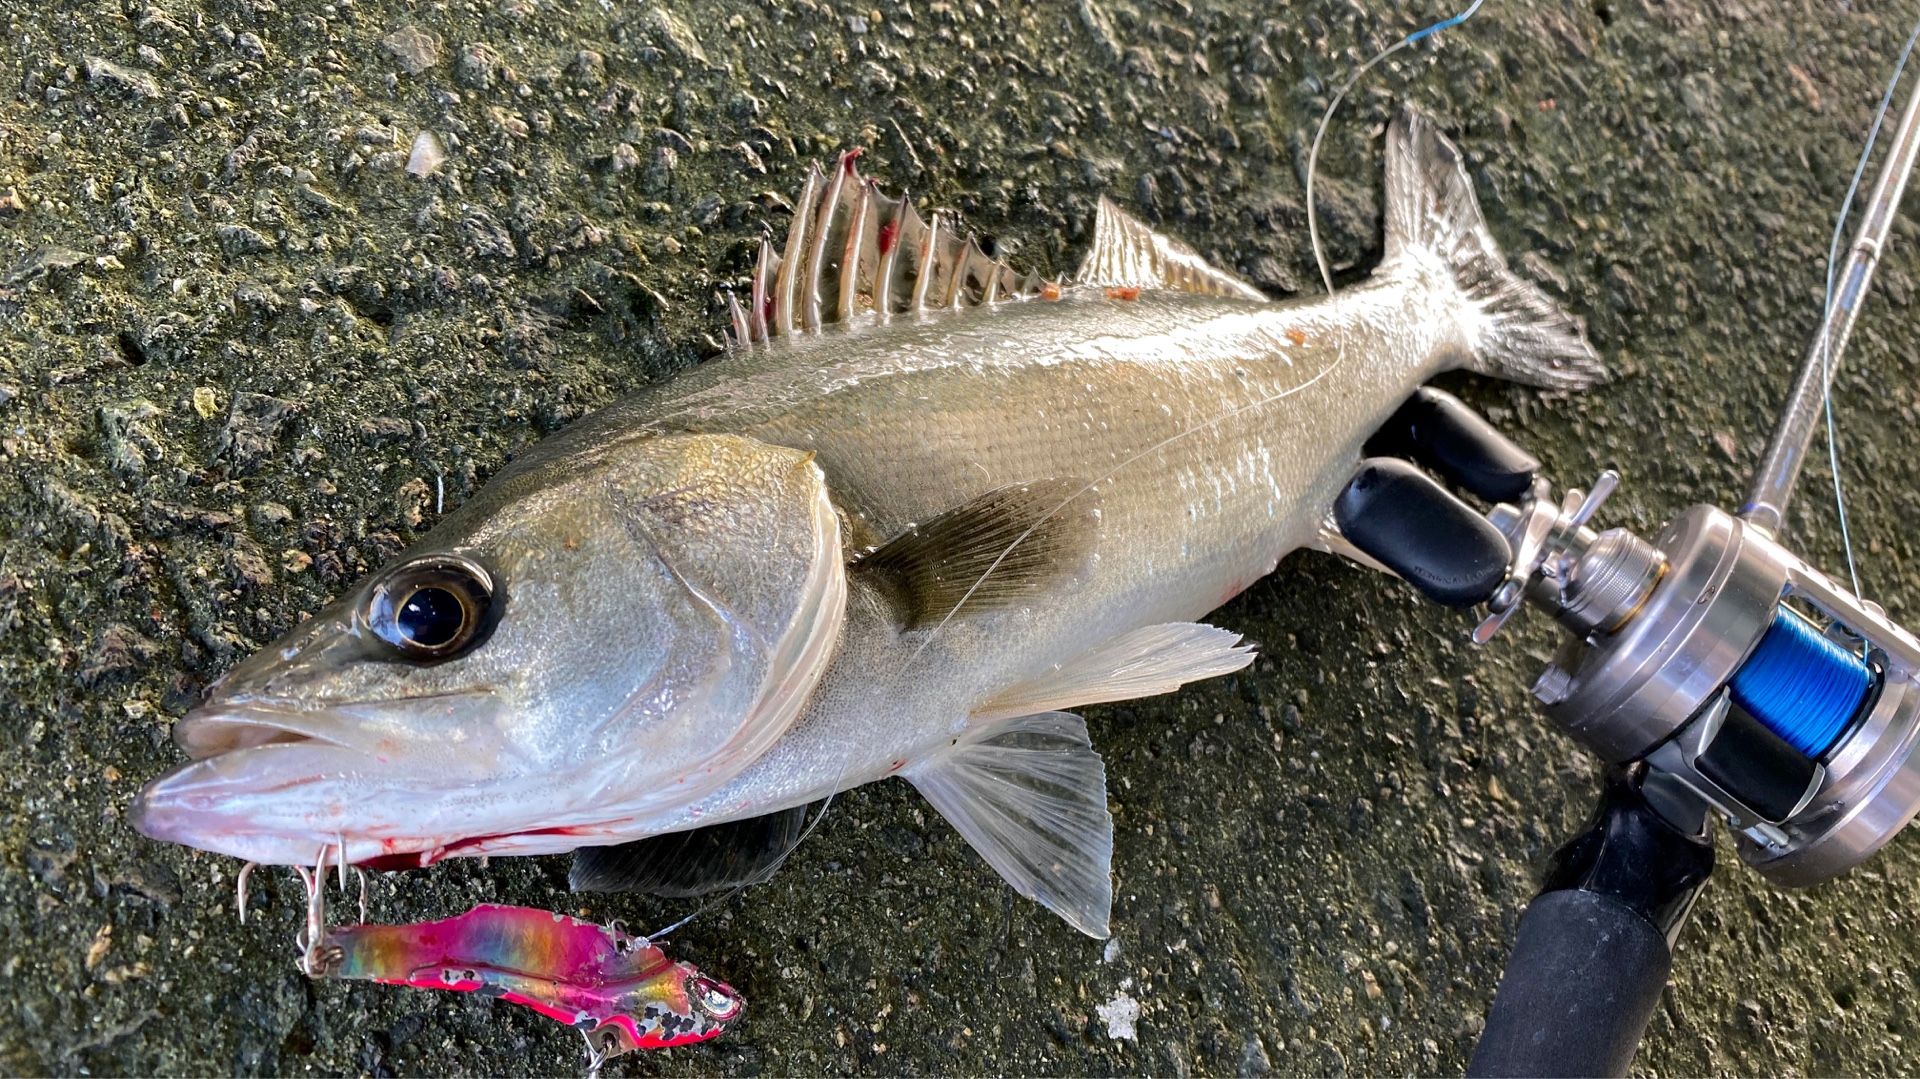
(214, 731)
(272, 782)
(266, 802)
(275, 782)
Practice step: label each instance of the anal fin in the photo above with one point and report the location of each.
(1140, 663)
(1030, 795)
(680, 865)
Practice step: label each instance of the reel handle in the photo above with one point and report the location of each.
(1409, 522)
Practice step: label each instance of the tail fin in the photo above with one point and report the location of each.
(1521, 333)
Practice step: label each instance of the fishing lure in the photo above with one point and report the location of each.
(620, 991)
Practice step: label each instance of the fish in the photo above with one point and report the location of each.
(922, 508)
(620, 991)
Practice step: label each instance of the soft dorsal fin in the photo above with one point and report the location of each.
(1128, 254)
(1139, 663)
(987, 553)
(852, 250)
(1030, 795)
(680, 865)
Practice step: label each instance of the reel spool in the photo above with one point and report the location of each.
(1733, 668)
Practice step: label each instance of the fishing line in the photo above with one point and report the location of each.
(1313, 155)
(1826, 315)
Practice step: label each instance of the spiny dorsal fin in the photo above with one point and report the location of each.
(852, 250)
(1128, 254)
(988, 553)
(680, 865)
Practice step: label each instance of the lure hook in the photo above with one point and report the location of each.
(315, 958)
(240, 890)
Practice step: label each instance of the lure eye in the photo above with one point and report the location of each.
(434, 608)
(713, 998)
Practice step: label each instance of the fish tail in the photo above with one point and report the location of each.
(1515, 330)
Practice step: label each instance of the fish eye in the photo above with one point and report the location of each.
(713, 998)
(433, 608)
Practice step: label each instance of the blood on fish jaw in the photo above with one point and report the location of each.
(468, 847)
(393, 863)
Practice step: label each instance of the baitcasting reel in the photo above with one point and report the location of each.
(1714, 670)
(1735, 672)
(1732, 668)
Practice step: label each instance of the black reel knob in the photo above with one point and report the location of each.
(1404, 519)
(1439, 431)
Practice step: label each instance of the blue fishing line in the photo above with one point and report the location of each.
(1826, 311)
(1445, 24)
(1313, 155)
(1801, 685)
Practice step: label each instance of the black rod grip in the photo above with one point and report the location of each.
(1595, 946)
(1585, 976)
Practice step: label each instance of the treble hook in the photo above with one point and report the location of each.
(240, 890)
(597, 1055)
(311, 940)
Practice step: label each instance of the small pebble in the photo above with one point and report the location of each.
(427, 155)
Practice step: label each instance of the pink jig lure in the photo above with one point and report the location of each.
(620, 991)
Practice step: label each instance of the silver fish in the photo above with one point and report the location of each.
(922, 508)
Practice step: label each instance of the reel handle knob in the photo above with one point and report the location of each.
(1408, 522)
(1439, 431)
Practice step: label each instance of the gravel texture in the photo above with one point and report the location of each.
(278, 276)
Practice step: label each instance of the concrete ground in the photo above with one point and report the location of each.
(240, 345)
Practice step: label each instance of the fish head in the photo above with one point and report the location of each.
(598, 635)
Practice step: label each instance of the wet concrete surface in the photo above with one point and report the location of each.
(244, 351)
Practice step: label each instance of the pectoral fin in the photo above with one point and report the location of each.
(1030, 794)
(1140, 663)
(997, 549)
(679, 865)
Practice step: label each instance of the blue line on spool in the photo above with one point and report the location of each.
(1802, 686)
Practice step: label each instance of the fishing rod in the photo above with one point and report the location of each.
(1716, 672)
